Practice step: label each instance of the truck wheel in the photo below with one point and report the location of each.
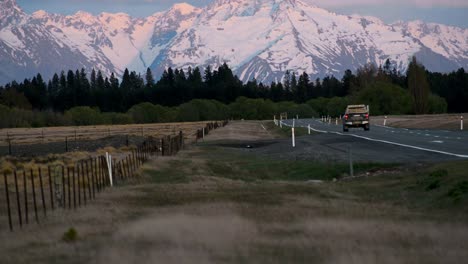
(366, 128)
(345, 129)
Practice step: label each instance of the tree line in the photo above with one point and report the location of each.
(388, 91)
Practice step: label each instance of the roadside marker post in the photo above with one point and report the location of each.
(309, 128)
(281, 124)
(385, 121)
(336, 121)
(297, 116)
(293, 138)
(109, 166)
(461, 123)
(351, 167)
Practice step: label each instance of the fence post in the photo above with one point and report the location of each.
(25, 189)
(69, 187)
(181, 135)
(83, 178)
(18, 203)
(42, 192)
(351, 167)
(9, 147)
(34, 196)
(93, 182)
(51, 190)
(74, 187)
(8, 201)
(293, 138)
(64, 199)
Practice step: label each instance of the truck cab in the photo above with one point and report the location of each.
(356, 116)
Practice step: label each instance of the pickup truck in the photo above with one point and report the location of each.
(356, 116)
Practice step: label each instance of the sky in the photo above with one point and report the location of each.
(450, 12)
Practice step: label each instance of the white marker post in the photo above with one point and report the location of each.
(385, 121)
(329, 120)
(336, 121)
(309, 128)
(293, 138)
(109, 167)
(281, 124)
(461, 123)
(297, 116)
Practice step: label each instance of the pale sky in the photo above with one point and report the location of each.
(451, 12)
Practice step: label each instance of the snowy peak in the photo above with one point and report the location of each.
(258, 39)
(184, 9)
(10, 13)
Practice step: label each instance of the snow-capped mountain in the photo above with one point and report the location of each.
(258, 39)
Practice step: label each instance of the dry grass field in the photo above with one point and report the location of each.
(54, 134)
(215, 204)
(442, 121)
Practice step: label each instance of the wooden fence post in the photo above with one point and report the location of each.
(78, 189)
(73, 186)
(42, 192)
(9, 147)
(64, 198)
(18, 203)
(69, 187)
(34, 196)
(25, 189)
(84, 179)
(10, 223)
(51, 189)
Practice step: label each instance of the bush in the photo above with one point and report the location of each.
(148, 113)
(116, 118)
(437, 104)
(84, 116)
(320, 105)
(385, 98)
(71, 235)
(252, 109)
(336, 106)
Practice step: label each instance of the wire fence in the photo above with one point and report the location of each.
(31, 194)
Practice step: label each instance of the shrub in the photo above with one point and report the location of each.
(70, 236)
(84, 116)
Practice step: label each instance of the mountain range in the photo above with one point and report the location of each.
(258, 39)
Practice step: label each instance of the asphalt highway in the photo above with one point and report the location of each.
(443, 142)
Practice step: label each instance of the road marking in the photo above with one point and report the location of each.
(393, 143)
(264, 127)
(437, 141)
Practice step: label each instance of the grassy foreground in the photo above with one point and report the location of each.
(242, 208)
(214, 204)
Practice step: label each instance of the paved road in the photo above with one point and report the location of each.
(449, 143)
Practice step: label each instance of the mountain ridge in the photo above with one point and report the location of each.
(288, 35)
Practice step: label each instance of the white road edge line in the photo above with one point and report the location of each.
(264, 127)
(392, 143)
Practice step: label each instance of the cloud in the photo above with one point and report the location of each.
(414, 3)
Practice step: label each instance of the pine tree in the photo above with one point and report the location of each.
(149, 79)
(418, 86)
